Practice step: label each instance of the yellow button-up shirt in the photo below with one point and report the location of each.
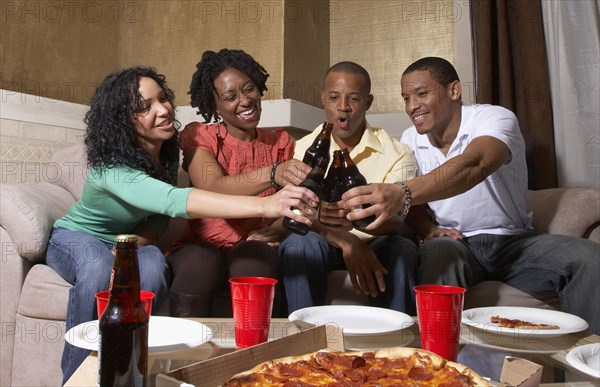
(379, 158)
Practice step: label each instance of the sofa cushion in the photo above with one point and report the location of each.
(567, 211)
(45, 294)
(38, 352)
(28, 212)
(71, 167)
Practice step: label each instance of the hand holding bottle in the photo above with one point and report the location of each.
(386, 200)
(334, 215)
(291, 172)
(349, 178)
(314, 183)
(282, 202)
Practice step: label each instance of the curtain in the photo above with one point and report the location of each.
(573, 41)
(511, 70)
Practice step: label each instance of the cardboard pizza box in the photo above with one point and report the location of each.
(520, 372)
(216, 371)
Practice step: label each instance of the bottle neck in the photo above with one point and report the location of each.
(125, 278)
(349, 171)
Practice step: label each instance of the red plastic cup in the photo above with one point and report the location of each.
(252, 302)
(439, 310)
(145, 296)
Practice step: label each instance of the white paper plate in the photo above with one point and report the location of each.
(355, 320)
(480, 318)
(165, 334)
(519, 343)
(586, 358)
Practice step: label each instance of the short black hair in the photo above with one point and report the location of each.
(350, 68)
(440, 69)
(208, 69)
(109, 137)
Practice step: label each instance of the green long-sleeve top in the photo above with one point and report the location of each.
(118, 200)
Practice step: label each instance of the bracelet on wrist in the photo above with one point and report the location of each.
(407, 198)
(272, 176)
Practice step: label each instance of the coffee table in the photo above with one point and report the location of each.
(485, 354)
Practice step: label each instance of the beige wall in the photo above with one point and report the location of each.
(306, 48)
(386, 36)
(172, 35)
(58, 49)
(63, 49)
(290, 38)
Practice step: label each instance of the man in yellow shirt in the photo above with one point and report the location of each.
(381, 263)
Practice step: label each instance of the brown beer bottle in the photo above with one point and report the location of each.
(351, 177)
(332, 189)
(314, 182)
(123, 349)
(319, 147)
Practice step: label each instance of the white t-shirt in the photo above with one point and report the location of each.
(497, 205)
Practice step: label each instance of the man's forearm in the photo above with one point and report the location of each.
(482, 157)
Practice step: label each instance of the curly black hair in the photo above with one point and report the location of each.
(109, 138)
(210, 66)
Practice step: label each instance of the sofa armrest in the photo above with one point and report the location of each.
(28, 212)
(567, 211)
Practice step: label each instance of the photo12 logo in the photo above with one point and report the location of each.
(48, 92)
(28, 11)
(268, 11)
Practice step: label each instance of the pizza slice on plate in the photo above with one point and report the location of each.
(520, 324)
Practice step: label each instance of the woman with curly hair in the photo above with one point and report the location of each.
(229, 154)
(132, 151)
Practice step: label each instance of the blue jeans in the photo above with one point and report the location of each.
(86, 262)
(306, 260)
(537, 264)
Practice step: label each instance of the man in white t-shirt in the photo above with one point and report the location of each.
(473, 174)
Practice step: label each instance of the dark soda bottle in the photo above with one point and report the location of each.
(332, 189)
(123, 349)
(314, 182)
(351, 177)
(319, 147)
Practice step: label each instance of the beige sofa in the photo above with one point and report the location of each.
(34, 297)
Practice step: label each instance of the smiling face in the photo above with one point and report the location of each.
(432, 108)
(153, 123)
(237, 100)
(346, 100)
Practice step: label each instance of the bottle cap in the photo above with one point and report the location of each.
(127, 238)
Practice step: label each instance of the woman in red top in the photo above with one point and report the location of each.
(229, 154)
